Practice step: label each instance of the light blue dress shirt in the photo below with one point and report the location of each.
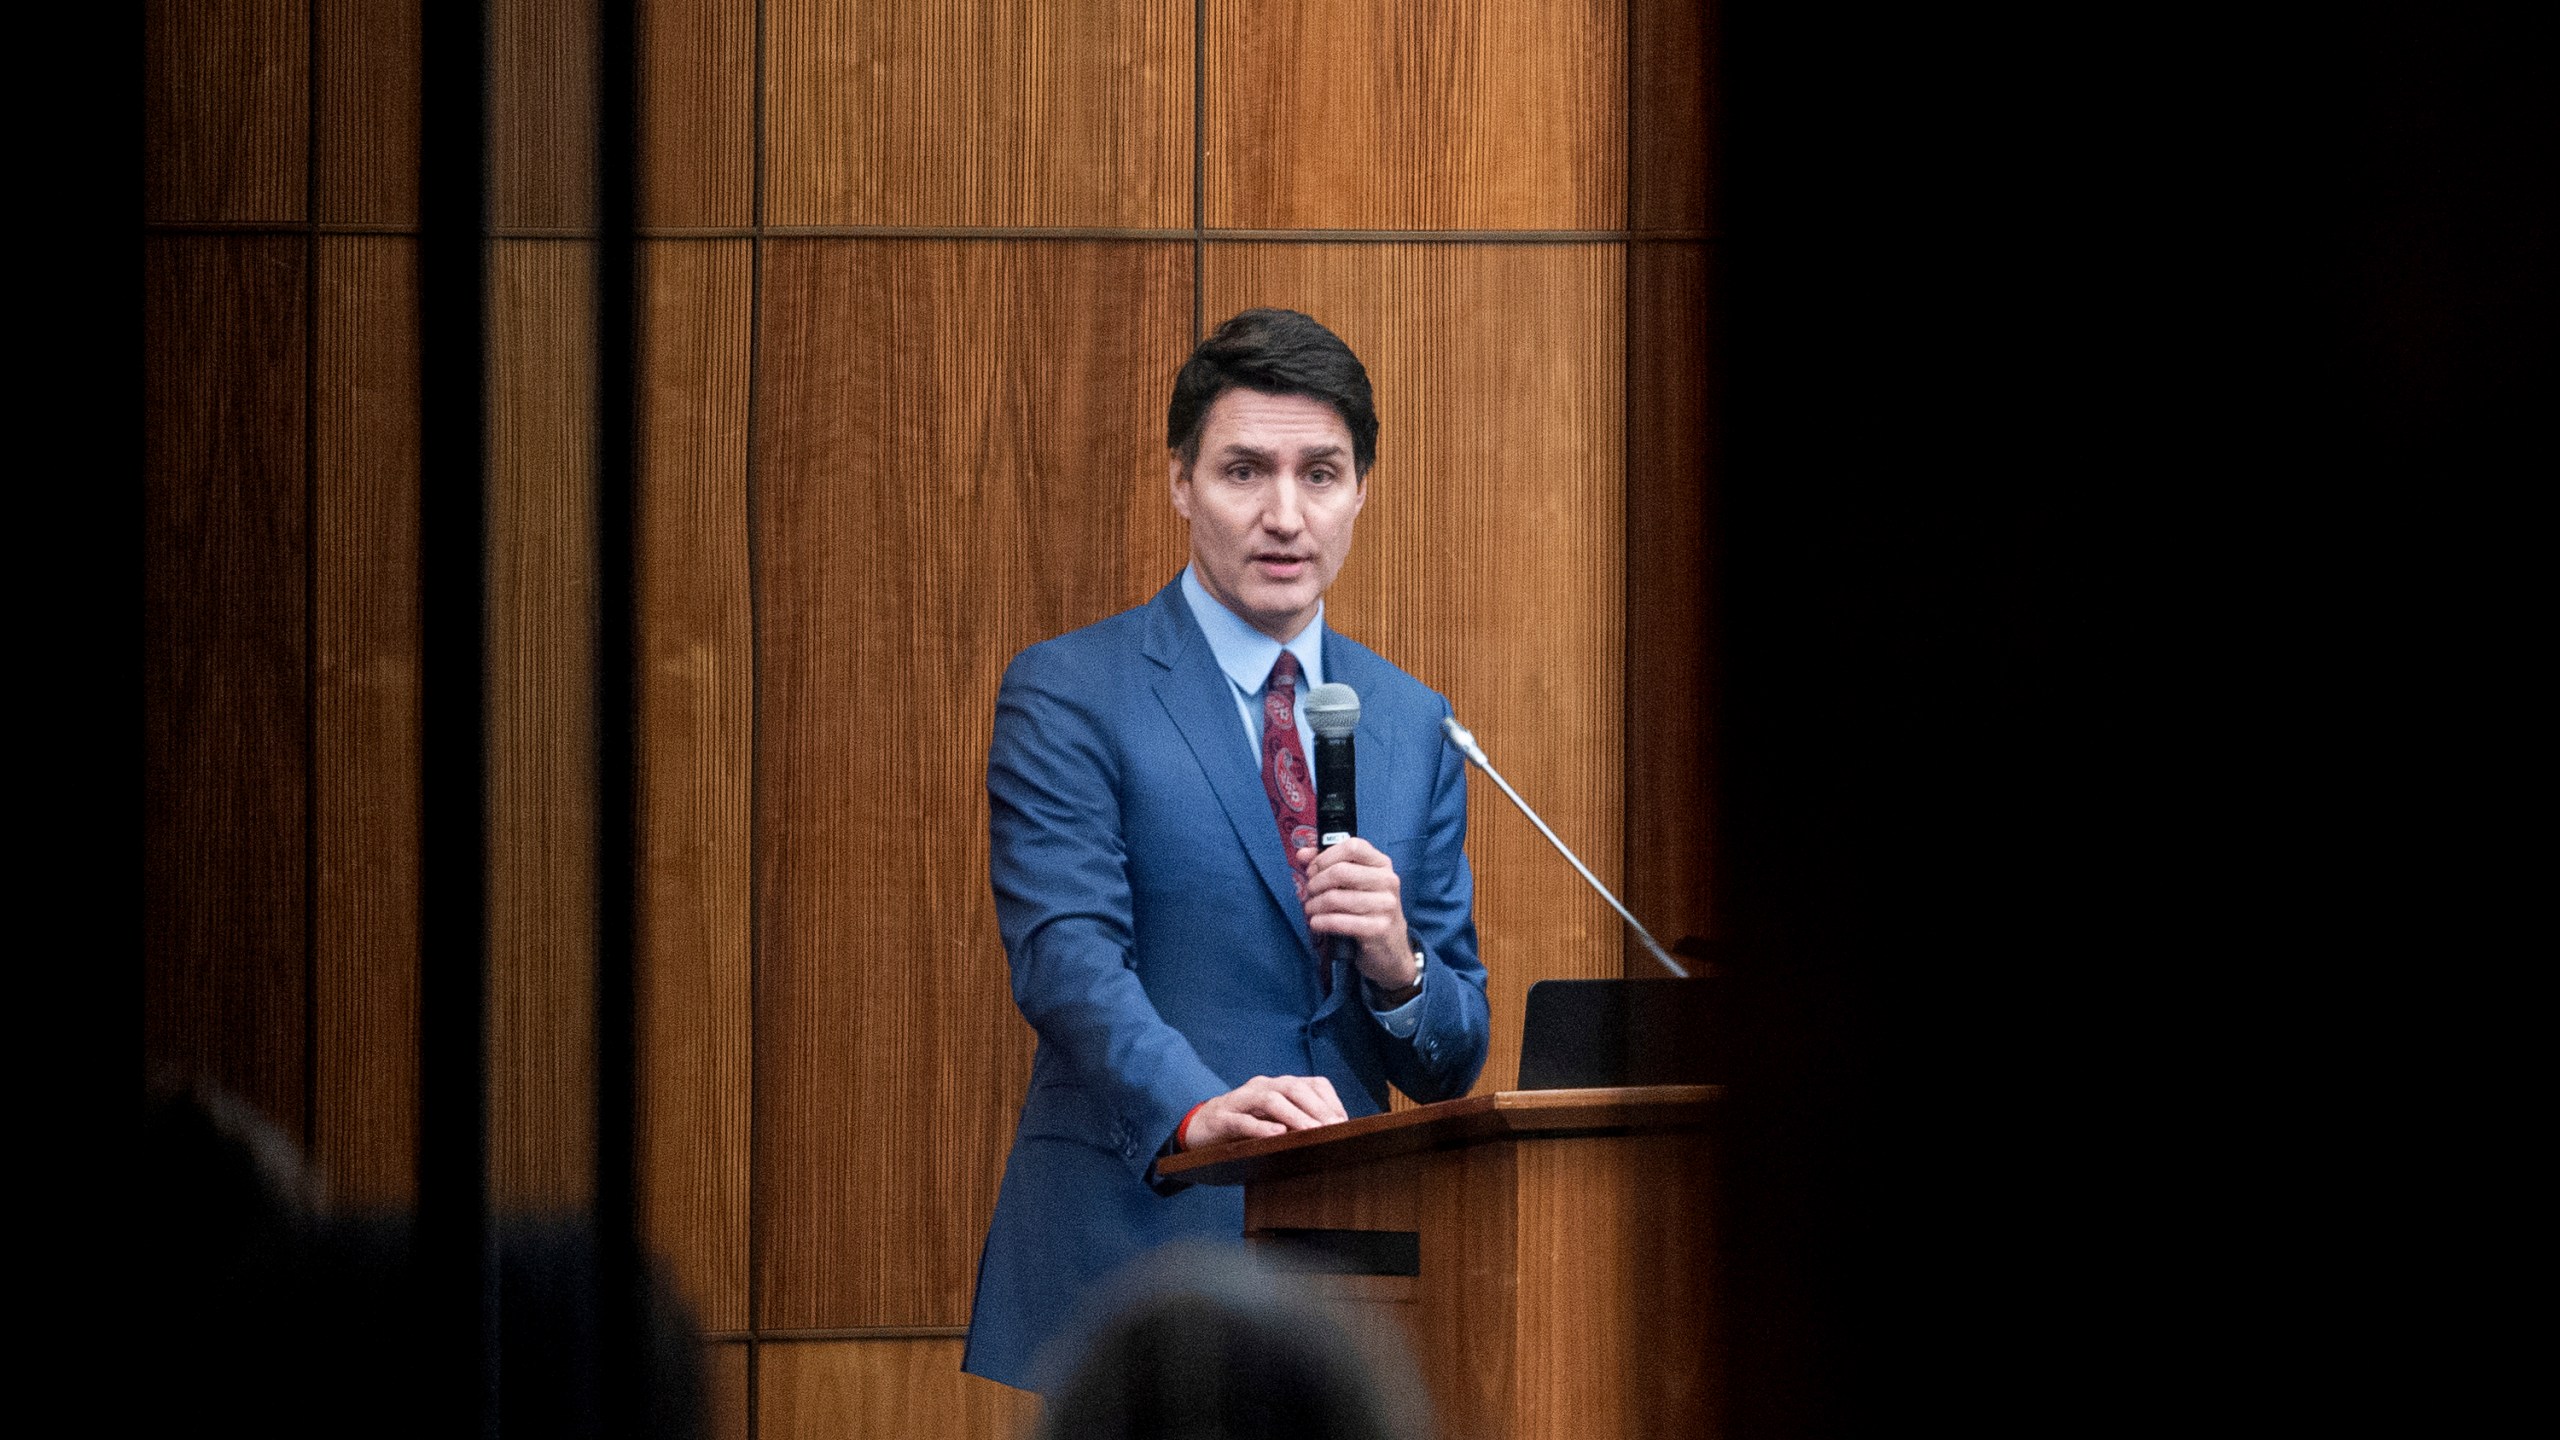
(1245, 656)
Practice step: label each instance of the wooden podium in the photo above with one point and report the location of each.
(1544, 1254)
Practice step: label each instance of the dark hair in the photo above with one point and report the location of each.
(1204, 1345)
(1277, 352)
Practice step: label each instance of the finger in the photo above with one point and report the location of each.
(1341, 901)
(1338, 914)
(1300, 1094)
(1356, 851)
(1314, 1095)
(1321, 1100)
(1358, 927)
(1352, 875)
(1274, 1103)
(1232, 1125)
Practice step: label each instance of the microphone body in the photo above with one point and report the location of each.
(1333, 712)
(1337, 796)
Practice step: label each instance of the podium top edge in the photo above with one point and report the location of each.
(1471, 1119)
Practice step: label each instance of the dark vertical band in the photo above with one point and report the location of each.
(458, 1293)
(619, 1273)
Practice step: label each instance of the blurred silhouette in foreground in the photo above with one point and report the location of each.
(1200, 1343)
(287, 1319)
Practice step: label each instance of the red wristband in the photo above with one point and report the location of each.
(1179, 1131)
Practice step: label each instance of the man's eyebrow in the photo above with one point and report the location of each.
(1238, 450)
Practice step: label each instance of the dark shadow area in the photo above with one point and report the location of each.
(282, 1317)
(2121, 422)
(1199, 1341)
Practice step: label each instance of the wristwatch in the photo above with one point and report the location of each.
(1390, 999)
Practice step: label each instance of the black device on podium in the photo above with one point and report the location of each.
(1588, 1034)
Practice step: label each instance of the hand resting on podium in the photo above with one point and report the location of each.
(1261, 1107)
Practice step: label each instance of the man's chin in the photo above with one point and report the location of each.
(1280, 614)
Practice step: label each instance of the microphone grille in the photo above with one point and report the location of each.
(1333, 711)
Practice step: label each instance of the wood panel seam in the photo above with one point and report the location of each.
(1202, 235)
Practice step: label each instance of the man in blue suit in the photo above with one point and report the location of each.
(1163, 901)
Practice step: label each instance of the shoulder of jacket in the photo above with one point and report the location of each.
(1105, 641)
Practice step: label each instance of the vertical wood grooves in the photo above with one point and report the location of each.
(365, 673)
(819, 1390)
(310, 1129)
(916, 476)
(728, 1389)
(225, 108)
(697, 111)
(949, 112)
(365, 134)
(1631, 951)
(541, 1045)
(1672, 557)
(756, 1192)
(224, 657)
(1674, 105)
(1425, 115)
(696, 706)
(1199, 166)
(542, 122)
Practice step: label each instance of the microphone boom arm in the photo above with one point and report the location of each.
(1465, 740)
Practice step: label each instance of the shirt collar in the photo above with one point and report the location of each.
(1245, 654)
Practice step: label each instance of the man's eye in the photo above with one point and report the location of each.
(1320, 476)
(1241, 474)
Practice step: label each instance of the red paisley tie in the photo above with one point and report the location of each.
(1285, 778)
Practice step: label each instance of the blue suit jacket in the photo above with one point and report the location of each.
(1159, 950)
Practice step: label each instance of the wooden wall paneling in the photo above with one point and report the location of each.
(367, 96)
(1476, 1192)
(1419, 114)
(697, 112)
(1490, 558)
(726, 1376)
(1621, 1355)
(225, 718)
(958, 454)
(1671, 567)
(365, 736)
(226, 110)
(542, 114)
(886, 1389)
(1673, 103)
(947, 112)
(541, 1051)
(697, 692)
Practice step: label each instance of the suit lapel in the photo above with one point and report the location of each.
(1195, 694)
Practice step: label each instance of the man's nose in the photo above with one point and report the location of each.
(1286, 514)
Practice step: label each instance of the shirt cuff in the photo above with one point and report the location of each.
(1406, 1018)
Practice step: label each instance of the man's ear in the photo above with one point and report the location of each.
(1180, 480)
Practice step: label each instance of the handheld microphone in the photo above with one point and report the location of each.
(1333, 712)
(1460, 736)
